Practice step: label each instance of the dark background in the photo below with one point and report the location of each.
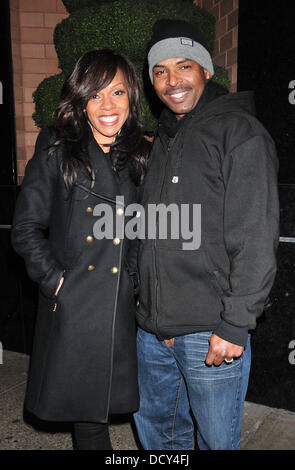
(17, 292)
(266, 65)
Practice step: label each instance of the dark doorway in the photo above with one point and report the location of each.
(266, 65)
(16, 291)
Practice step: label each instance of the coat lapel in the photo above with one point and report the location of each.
(107, 184)
(105, 179)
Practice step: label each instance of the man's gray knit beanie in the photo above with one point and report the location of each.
(177, 38)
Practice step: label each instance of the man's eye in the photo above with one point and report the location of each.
(185, 67)
(159, 72)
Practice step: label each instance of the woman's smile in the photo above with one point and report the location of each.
(109, 120)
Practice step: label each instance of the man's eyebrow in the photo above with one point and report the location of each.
(182, 61)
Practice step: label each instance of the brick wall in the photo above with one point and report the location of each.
(226, 34)
(34, 58)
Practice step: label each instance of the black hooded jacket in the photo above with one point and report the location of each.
(220, 157)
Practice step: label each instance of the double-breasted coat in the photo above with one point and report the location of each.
(83, 364)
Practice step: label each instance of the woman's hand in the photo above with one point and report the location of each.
(59, 286)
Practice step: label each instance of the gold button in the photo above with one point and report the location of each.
(120, 211)
(91, 267)
(89, 239)
(116, 241)
(89, 210)
(114, 270)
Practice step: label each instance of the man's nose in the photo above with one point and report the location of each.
(173, 78)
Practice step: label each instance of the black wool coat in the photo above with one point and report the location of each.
(83, 365)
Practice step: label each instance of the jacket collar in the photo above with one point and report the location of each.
(168, 122)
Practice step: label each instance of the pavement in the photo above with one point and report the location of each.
(264, 428)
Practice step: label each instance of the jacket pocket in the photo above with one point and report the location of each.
(146, 280)
(218, 268)
(186, 295)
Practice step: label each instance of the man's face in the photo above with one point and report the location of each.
(179, 83)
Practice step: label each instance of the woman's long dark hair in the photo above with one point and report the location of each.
(94, 71)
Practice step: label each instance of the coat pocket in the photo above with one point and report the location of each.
(70, 261)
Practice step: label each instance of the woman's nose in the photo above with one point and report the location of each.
(107, 102)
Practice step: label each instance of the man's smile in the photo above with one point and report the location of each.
(177, 95)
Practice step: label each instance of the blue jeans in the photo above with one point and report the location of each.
(173, 382)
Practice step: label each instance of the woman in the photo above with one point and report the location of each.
(83, 365)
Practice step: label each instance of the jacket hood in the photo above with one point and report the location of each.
(232, 102)
(215, 100)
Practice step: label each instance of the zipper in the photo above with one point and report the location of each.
(156, 296)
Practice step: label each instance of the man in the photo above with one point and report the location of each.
(196, 307)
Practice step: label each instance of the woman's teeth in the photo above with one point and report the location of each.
(109, 119)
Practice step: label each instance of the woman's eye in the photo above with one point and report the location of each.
(95, 97)
(119, 92)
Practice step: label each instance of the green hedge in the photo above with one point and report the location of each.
(46, 99)
(74, 5)
(122, 25)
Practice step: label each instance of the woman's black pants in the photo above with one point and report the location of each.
(92, 436)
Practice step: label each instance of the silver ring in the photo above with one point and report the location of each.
(228, 362)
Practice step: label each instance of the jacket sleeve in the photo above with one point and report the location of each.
(251, 232)
(32, 216)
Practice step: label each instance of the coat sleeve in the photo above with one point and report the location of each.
(251, 232)
(32, 216)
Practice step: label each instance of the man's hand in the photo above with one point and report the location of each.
(169, 342)
(221, 350)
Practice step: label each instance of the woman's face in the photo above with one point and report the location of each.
(108, 109)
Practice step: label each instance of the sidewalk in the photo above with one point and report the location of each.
(263, 428)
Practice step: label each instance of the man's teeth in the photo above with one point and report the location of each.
(178, 95)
